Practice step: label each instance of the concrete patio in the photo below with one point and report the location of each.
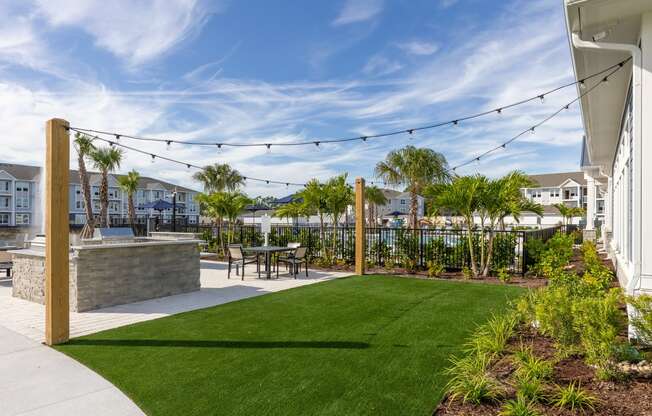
(38, 380)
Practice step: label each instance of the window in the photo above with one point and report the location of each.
(22, 219)
(22, 195)
(402, 201)
(4, 219)
(5, 186)
(4, 202)
(554, 193)
(537, 194)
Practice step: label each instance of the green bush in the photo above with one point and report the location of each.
(531, 367)
(491, 338)
(435, 269)
(470, 381)
(553, 311)
(504, 275)
(521, 406)
(504, 251)
(598, 321)
(573, 397)
(530, 388)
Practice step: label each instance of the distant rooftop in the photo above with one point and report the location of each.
(553, 180)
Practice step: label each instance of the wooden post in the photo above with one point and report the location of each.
(360, 238)
(57, 171)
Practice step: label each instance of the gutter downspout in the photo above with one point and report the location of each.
(634, 284)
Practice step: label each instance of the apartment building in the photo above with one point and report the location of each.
(20, 197)
(572, 189)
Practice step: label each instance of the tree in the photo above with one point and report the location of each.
(463, 196)
(416, 168)
(85, 148)
(106, 159)
(220, 205)
(569, 212)
(314, 200)
(502, 198)
(339, 195)
(233, 204)
(219, 177)
(290, 211)
(375, 198)
(128, 184)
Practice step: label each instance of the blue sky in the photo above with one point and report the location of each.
(253, 71)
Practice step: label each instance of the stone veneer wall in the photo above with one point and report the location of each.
(107, 276)
(116, 275)
(31, 284)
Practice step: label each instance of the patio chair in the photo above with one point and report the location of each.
(295, 261)
(237, 257)
(6, 263)
(283, 257)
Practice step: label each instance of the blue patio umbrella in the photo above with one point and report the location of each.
(396, 213)
(159, 205)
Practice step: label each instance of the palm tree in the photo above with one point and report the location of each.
(569, 212)
(219, 177)
(375, 198)
(128, 184)
(502, 198)
(85, 147)
(106, 159)
(290, 211)
(463, 196)
(233, 204)
(416, 168)
(339, 195)
(314, 200)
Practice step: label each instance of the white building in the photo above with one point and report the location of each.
(20, 197)
(399, 202)
(617, 118)
(568, 188)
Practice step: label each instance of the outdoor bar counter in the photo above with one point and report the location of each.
(104, 273)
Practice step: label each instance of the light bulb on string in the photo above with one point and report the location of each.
(168, 144)
(582, 84)
(499, 111)
(153, 158)
(188, 166)
(117, 137)
(532, 130)
(317, 145)
(219, 148)
(542, 98)
(269, 149)
(363, 138)
(605, 80)
(411, 133)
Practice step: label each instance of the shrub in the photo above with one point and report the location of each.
(435, 269)
(491, 338)
(535, 248)
(470, 380)
(530, 388)
(557, 253)
(598, 320)
(504, 275)
(466, 272)
(641, 317)
(573, 397)
(531, 367)
(521, 406)
(504, 251)
(554, 315)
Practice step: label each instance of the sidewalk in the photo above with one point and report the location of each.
(37, 380)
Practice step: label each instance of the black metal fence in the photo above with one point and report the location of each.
(385, 247)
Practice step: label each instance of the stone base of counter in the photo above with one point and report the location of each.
(109, 275)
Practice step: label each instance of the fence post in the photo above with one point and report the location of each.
(359, 227)
(57, 245)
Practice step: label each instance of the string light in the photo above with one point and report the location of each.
(269, 148)
(456, 121)
(542, 98)
(168, 144)
(317, 143)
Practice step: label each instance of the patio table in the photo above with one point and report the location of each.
(267, 251)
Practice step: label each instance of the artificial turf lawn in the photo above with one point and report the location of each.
(353, 346)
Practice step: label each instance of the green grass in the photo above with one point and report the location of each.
(354, 346)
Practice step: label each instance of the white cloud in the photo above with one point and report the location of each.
(355, 11)
(447, 3)
(380, 65)
(416, 47)
(134, 30)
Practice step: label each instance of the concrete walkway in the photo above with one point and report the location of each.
(37, 380)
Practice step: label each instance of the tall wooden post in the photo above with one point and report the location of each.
(360, 238)
(57, 171)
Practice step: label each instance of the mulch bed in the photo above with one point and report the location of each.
(627, 398)
(632, 397)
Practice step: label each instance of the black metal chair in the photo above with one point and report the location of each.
(237, 257)
(295, 261)
(284, 257)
